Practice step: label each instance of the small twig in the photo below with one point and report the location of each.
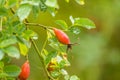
(36, 24)
(12, 11)
(40, 56)
(33, 24)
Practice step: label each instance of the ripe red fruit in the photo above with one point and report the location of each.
(61, 36)
(25, 71)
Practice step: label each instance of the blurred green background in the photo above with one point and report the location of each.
(98, 55)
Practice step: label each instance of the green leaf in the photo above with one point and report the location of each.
(42, 6)
(62, 64)
(55, 73)
(2, 2)
(1, 54)
(62, 23)
(64, 72)
(50, 56)
(84, 22)
(3, 12)
(7, 42)
(52, 11)
(72, 19)
(52, 6)
(50, 34)
(31, 2)
(28, 34)
(12, 3)
(52, 3)
(66, 77)
(54, 43)
(23, 11)
(81, 2)
(24, 41)
(18, 27)
(1, 65)
(3, 75)
(6, 59)
(75, 30)
(12, 70)
(23, 49)
(44, 53)
(74, 77)
(12, 51)
(35, 10)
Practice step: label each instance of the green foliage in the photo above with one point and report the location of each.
(23, 49)
(50, 56)
(3, 75)
(84, 22)
(52, 3)
(3, 11)
(74, 77)
(7, 42)
(12, 70)
(1, 54)
(12, 3)
(52, 6)
(55, 74)
(1, 65)
(2, 2)
(12, 51)
(62, 23)
(16, 37)
(24, 11)
(75, 30)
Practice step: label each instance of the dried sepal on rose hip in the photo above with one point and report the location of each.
(52, 65)
(25, 71)
(62, 37)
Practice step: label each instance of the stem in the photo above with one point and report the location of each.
(27, 57)
(12, 11)
(0, 24)
(40, 56)
(35, 46)
(36, 24)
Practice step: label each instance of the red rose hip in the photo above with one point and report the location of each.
(61, 36)
(25, 71)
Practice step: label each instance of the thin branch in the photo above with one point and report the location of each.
(12, 11)
(36, 24)
(33, 24)
(40, 56)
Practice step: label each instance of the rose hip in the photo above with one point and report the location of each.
(25, 71)
(62, 38)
